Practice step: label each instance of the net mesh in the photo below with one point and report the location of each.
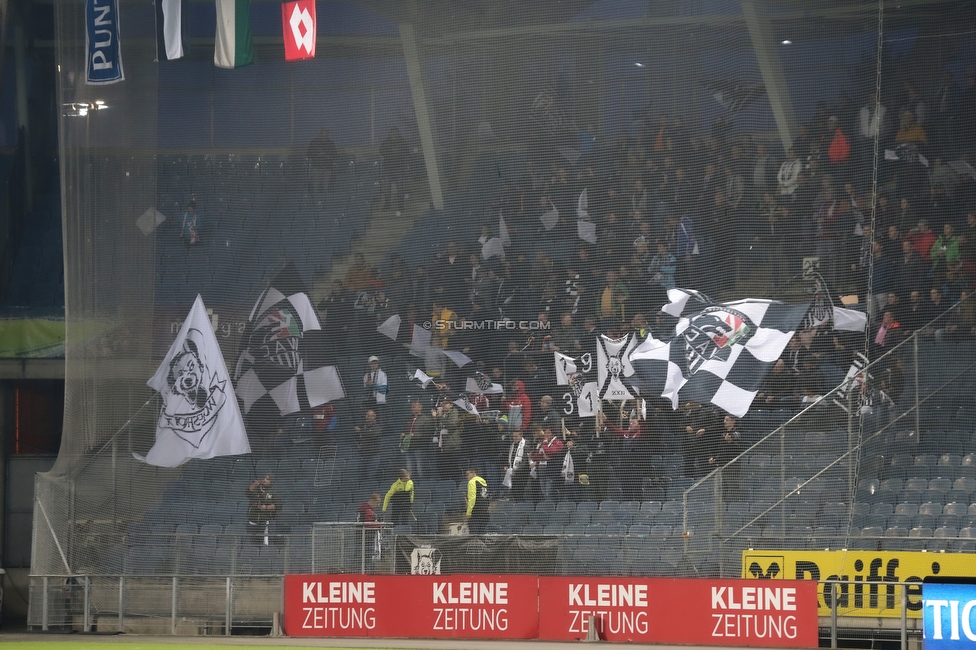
(723, 147)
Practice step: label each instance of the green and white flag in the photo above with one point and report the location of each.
(233, 48)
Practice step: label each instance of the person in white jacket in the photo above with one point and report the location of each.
(516, 472)
(872, 123)
(376, 384)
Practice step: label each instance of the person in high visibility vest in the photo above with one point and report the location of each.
(400, 496)
(477, 513)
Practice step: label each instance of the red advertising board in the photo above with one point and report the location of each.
(430, 607)
(778, 613)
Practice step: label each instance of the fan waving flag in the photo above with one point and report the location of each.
(719, 353)
(298, 29)
(199, 417)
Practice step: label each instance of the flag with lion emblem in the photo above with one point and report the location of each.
(199, 416)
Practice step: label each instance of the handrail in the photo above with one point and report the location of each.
(842, 386)
(857, 447)
(114, 436)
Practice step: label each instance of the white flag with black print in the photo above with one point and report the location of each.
(587, 399)
(565, 368)
(718, 354)
(199, 417)
(613, 366)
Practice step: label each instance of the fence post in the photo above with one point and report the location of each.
(121, 603)
(86, 620)
(904, 617)
(229, 604)
(918, 388)
(45, 582)
(173, 606)
(833, 614)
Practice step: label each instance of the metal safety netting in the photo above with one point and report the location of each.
(456, 238)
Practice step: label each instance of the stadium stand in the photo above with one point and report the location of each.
(707, 190)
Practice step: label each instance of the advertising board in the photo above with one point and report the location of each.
(872, 593)
(430, 607)
(948, 615)
(680, 611)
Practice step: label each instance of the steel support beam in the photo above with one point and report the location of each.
(417, 88)
(764, 43)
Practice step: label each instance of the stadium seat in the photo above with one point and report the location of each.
(602, 517)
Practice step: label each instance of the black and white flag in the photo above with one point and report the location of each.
(613, 366)
(584, 394)
(274, 356)
(565, 368)
(718, 354)
(199, 417)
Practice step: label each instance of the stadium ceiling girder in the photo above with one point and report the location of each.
(767, 54)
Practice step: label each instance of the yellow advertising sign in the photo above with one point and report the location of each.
(872, 572)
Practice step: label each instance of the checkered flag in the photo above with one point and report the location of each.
(719, 353)
(274, 357)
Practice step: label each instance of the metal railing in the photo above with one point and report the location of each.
(852, 425)
(218, 605)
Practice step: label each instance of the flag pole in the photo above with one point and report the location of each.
(120, 430)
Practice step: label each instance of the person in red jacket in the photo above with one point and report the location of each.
(922, 238)
(520, 398)
(839, 149)
(546, 462)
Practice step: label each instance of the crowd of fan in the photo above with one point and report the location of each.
(676, 208)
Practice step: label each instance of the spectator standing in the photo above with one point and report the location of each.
(375, 384)
(546, 462)
(264, 504)
(516, 473)
(368, 437)
(872, 123)
(400, 496)
(192, 223)
(338, 315)
(415, 439)
(631, 455)
(322, 156)
(476, 513)
(447, 424)
(396, 161)
(366, 514)
(725, 448)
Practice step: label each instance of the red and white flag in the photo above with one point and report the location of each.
(298, 27)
